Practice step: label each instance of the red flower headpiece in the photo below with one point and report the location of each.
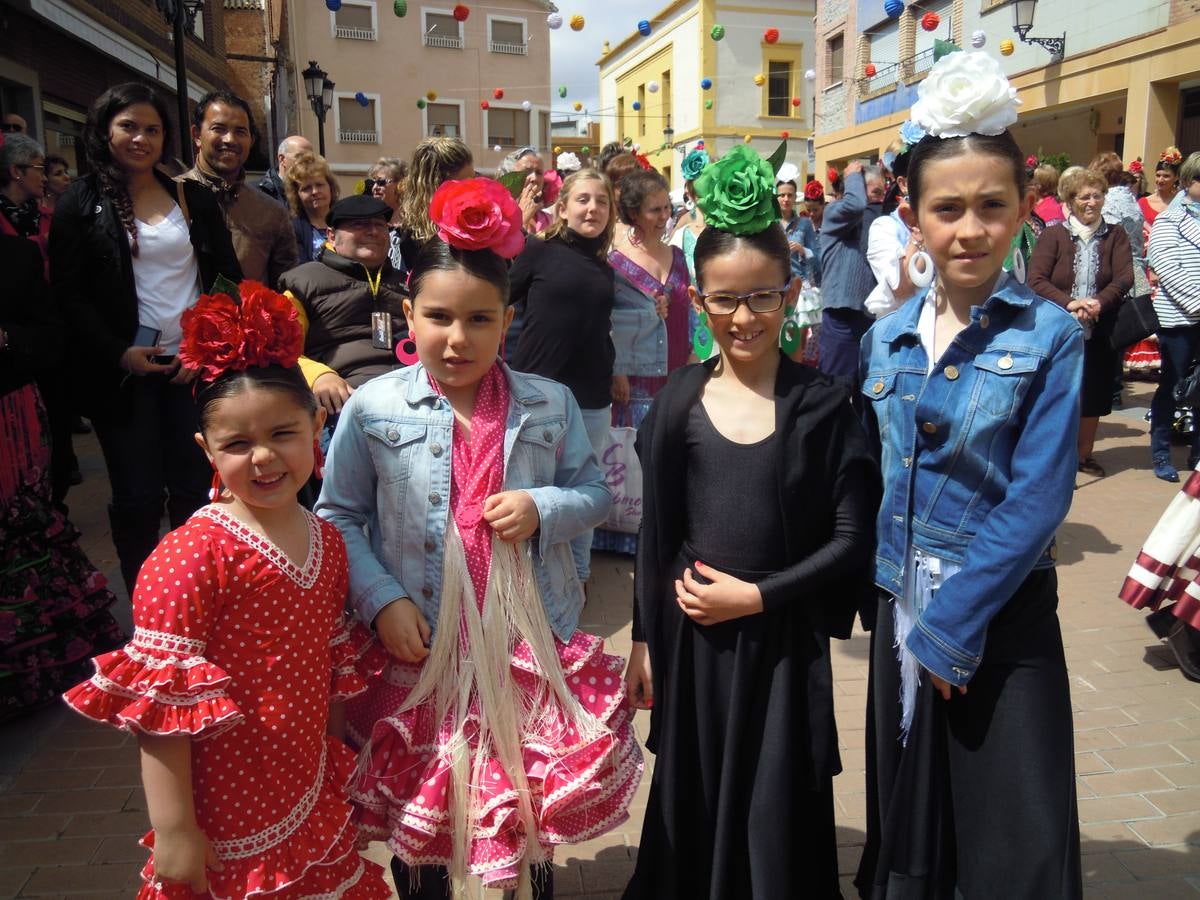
(814, 190)
(644, 161)
(221, 334)
(478, 214)
(1171, 155)
(1031, 161)
(1136, 166)
(832, 175)
(551, 187)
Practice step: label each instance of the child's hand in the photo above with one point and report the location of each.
(513, 515)
(944, 687)
(726, 598)
(184, 855)
(403, 630)
(639, 689)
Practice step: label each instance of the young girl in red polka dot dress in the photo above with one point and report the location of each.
(499, 730)
(240, 645)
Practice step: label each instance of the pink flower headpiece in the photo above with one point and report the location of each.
(478, 214)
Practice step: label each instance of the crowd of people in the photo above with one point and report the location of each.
(380, 428)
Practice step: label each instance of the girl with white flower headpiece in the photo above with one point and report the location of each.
(971, 393)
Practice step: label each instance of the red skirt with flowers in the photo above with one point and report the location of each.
(575, 758)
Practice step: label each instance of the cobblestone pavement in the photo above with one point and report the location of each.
(71, 805)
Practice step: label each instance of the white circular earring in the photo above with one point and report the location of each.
(920, 269)
(1018, 266)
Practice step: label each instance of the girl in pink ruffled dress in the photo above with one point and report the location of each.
(240, 645)
(499, 730)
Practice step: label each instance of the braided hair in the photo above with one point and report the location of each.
(110, 176)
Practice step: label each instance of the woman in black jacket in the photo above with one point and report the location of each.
(130, 250)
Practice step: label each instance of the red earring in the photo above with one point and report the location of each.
(406, 352)
(318, 459)
(214, 492)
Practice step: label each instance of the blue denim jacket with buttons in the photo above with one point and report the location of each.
(639, 334)
(387, 489)
(978, 459)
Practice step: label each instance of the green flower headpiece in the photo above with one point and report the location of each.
(737, 192)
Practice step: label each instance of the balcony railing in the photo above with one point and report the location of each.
(444, 40)
(355, 34)
(887, 75)
(505, 47)
(358, 137)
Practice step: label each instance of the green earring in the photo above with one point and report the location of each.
(702, 339)
(789, 335)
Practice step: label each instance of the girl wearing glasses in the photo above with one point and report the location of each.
(758, 496)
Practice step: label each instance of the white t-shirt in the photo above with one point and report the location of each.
(166, 276)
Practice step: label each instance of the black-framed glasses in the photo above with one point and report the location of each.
(720, 303)
(370, 183)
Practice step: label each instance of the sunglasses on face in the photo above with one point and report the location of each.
(378, 182)
(10, 128)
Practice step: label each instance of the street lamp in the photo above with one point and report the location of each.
(319, 90)
(1023, 21)
(669, 135)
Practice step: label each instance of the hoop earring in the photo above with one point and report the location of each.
(920, 269)
(1018, 267)
(702, 338)
(318, 459)
(214, 492)
(789, 334)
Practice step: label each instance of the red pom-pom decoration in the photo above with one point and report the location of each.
(461, 11)
(832, 174)
(795, 101)
(869, 70)
(498, 93)
(930, 21)
(771, 35)
(221, 334)
(483, 104)
(478, 214)
(785, 134)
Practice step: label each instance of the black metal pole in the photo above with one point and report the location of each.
(181, 94)
(319, 111)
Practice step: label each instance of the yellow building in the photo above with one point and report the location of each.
(651, 89)
(1129, 80)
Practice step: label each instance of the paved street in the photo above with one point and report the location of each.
(71, 805)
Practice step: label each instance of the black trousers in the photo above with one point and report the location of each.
(435, 882)
(150, 451)
(60, 410)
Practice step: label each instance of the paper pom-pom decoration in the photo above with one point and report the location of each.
(785, 134)
(893, 8)
(708, 104)
(636, 105)
(526, 105)
(705, 84)
(1007, 47)
(577, 22)
(717, 33)
(869, 70)
(498, 94)
(562, 90)
(760, 79)
(930, 21)
(771, 35)
(461, 12)
(558, 150)
(978, 39)
(483, 104)
(578, 106)
(498, 148)
(644, 28)
(747, 138)
(421, 104)
(554, 20)
(361, 99)
(810, 74)
(795, 101)
(333, 5)
(652, 87)
(400, 8)
(431, 96)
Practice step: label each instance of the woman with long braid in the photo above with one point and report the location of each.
(130, 250)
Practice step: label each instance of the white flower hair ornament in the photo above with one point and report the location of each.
(568, 162)
(965, 93)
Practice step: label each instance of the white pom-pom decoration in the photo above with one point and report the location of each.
(810, 75)
(652, 87)
(526, 105)
(978, 39)
(554, 20)
(497, 148)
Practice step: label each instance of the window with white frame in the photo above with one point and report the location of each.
(507, 36)
(441, 29)
(443, 120)
(507, 127)
(356, 123)
(355, 20)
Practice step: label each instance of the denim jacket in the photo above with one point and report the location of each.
(387, 489)
(639, 334)
(978, 459)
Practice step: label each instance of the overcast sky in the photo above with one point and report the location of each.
(573, 54)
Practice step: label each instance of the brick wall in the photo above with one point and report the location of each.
(1183, 9)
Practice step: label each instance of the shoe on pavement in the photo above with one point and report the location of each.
(1184, 642)
(1164, 470)
(1089, 466)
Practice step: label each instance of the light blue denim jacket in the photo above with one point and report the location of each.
(387, 489)
(978, 459)
(639, 334)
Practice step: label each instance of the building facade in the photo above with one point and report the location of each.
(680, 84)
(57, 56)
(1129, 80)
(400, 79)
